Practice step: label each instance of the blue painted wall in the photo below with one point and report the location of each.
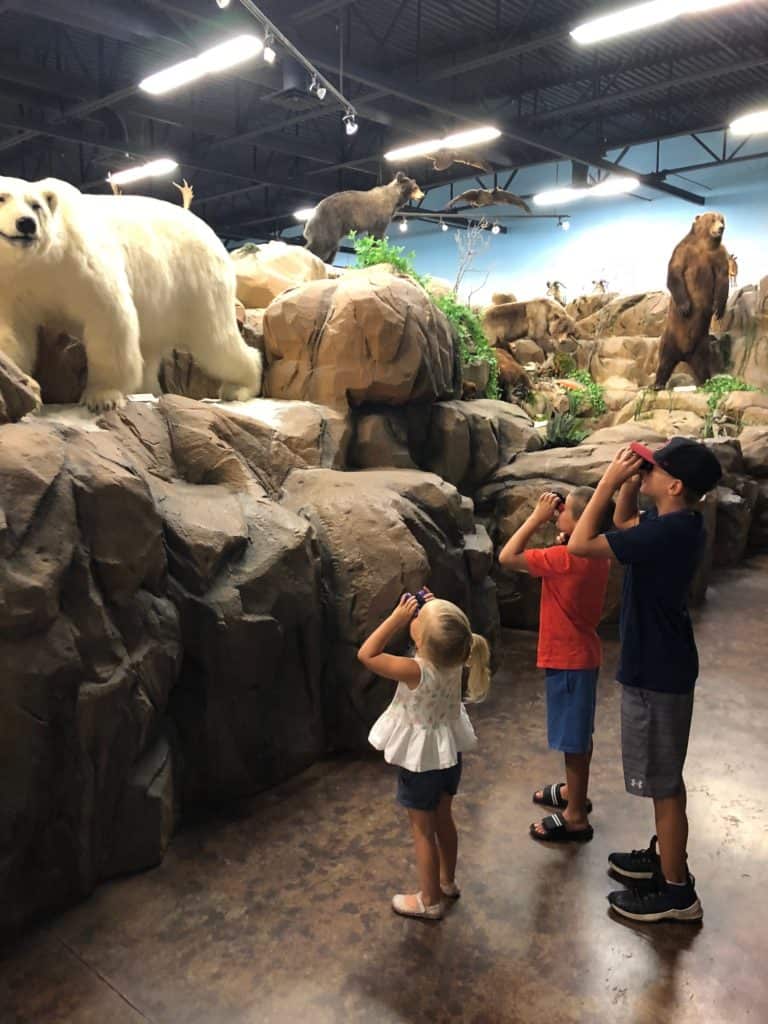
(627, 240)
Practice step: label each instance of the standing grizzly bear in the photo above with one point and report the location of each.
(698, 281)
(371, 211)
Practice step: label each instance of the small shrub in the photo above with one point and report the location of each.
(564, 429)
(592, 400)
(717, 388)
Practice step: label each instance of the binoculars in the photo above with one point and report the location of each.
(420, 595)
(560, 497)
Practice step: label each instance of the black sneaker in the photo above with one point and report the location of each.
(667, 903)
(639, 864)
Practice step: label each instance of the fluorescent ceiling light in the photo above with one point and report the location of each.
(468, 138)
(640, 16)
(164, 165)
(304, 213)
(218, 58)
(556, 196)
(616, 186)
(750, 124)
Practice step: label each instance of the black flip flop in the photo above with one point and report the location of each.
(555, 831)
(550, 797)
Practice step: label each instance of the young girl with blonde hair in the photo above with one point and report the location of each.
(425, 730)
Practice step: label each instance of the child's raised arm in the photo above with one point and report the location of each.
(511, 556)
(390, 666)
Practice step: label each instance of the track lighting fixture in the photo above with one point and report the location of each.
(350, 122)
(403, 225)
(564, 223)
(496, 229)
(269, 54)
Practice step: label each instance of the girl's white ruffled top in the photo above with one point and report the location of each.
(425, 728)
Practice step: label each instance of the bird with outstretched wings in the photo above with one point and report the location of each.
(488, 197)
(442, 159)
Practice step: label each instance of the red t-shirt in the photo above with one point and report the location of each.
(572, 595)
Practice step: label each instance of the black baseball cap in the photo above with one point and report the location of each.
(688, 461)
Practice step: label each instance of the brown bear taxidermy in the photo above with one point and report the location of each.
(445, 158)
(489, 197)
(697, 278)
(365, 212)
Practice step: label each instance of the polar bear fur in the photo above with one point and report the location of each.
(133, 277)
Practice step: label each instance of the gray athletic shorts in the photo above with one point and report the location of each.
(654, 740)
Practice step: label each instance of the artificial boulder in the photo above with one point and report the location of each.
(365, 337)
(265, 271)
(640, 315)
(17, 392)
(360, 520)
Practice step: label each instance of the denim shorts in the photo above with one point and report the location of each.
(571, 700)
(421, 791)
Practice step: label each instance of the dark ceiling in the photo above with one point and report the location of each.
(256, 145)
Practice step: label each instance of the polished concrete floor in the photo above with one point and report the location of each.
(278, 911)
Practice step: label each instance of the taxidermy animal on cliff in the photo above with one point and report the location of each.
(698, 281)
(132, 277)
(733, 270)
(445, 158)
(365, 212)
(187, 192)
(489, 197)
(556, 291)
(599, 287)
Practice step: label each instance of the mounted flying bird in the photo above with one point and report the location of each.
(489, 197)
(442, 159)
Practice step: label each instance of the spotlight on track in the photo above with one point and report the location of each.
(350, 122)
(564, 223)
(496, 229)
(270, 54)
(443, 226)
(318, 88)
(222, 4)
(403, 225)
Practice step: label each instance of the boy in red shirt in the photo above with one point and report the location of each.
(572, 597)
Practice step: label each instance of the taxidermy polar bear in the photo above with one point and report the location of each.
(131, 276)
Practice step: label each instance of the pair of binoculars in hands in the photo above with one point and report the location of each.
(420, 596)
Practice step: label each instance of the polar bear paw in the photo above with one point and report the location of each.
(102, 399)
(236, 393)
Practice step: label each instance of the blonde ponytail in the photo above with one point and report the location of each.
(479, 665)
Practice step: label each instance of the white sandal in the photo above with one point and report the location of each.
(400, 905)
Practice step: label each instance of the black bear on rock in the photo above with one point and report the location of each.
(369, 212)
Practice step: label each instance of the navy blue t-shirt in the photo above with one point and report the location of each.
(661, 553)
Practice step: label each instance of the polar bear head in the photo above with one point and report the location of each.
(28, 221)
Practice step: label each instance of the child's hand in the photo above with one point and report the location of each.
(406, 610)
(428, 595)
(545, 508)
(625, 464)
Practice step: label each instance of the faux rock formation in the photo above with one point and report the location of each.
(462, 442)
(361, 520)
(363, 338)
(265, 271)
(640, 315)
(17, 392)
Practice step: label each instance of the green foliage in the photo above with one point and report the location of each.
(717, 388)
(473, 344)
(370, 251)
(563, 428)
(474, 347)
(592, 400)
(564, 364)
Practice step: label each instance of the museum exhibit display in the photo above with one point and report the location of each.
(304, 308)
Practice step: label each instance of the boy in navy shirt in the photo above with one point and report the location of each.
(658, 663)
